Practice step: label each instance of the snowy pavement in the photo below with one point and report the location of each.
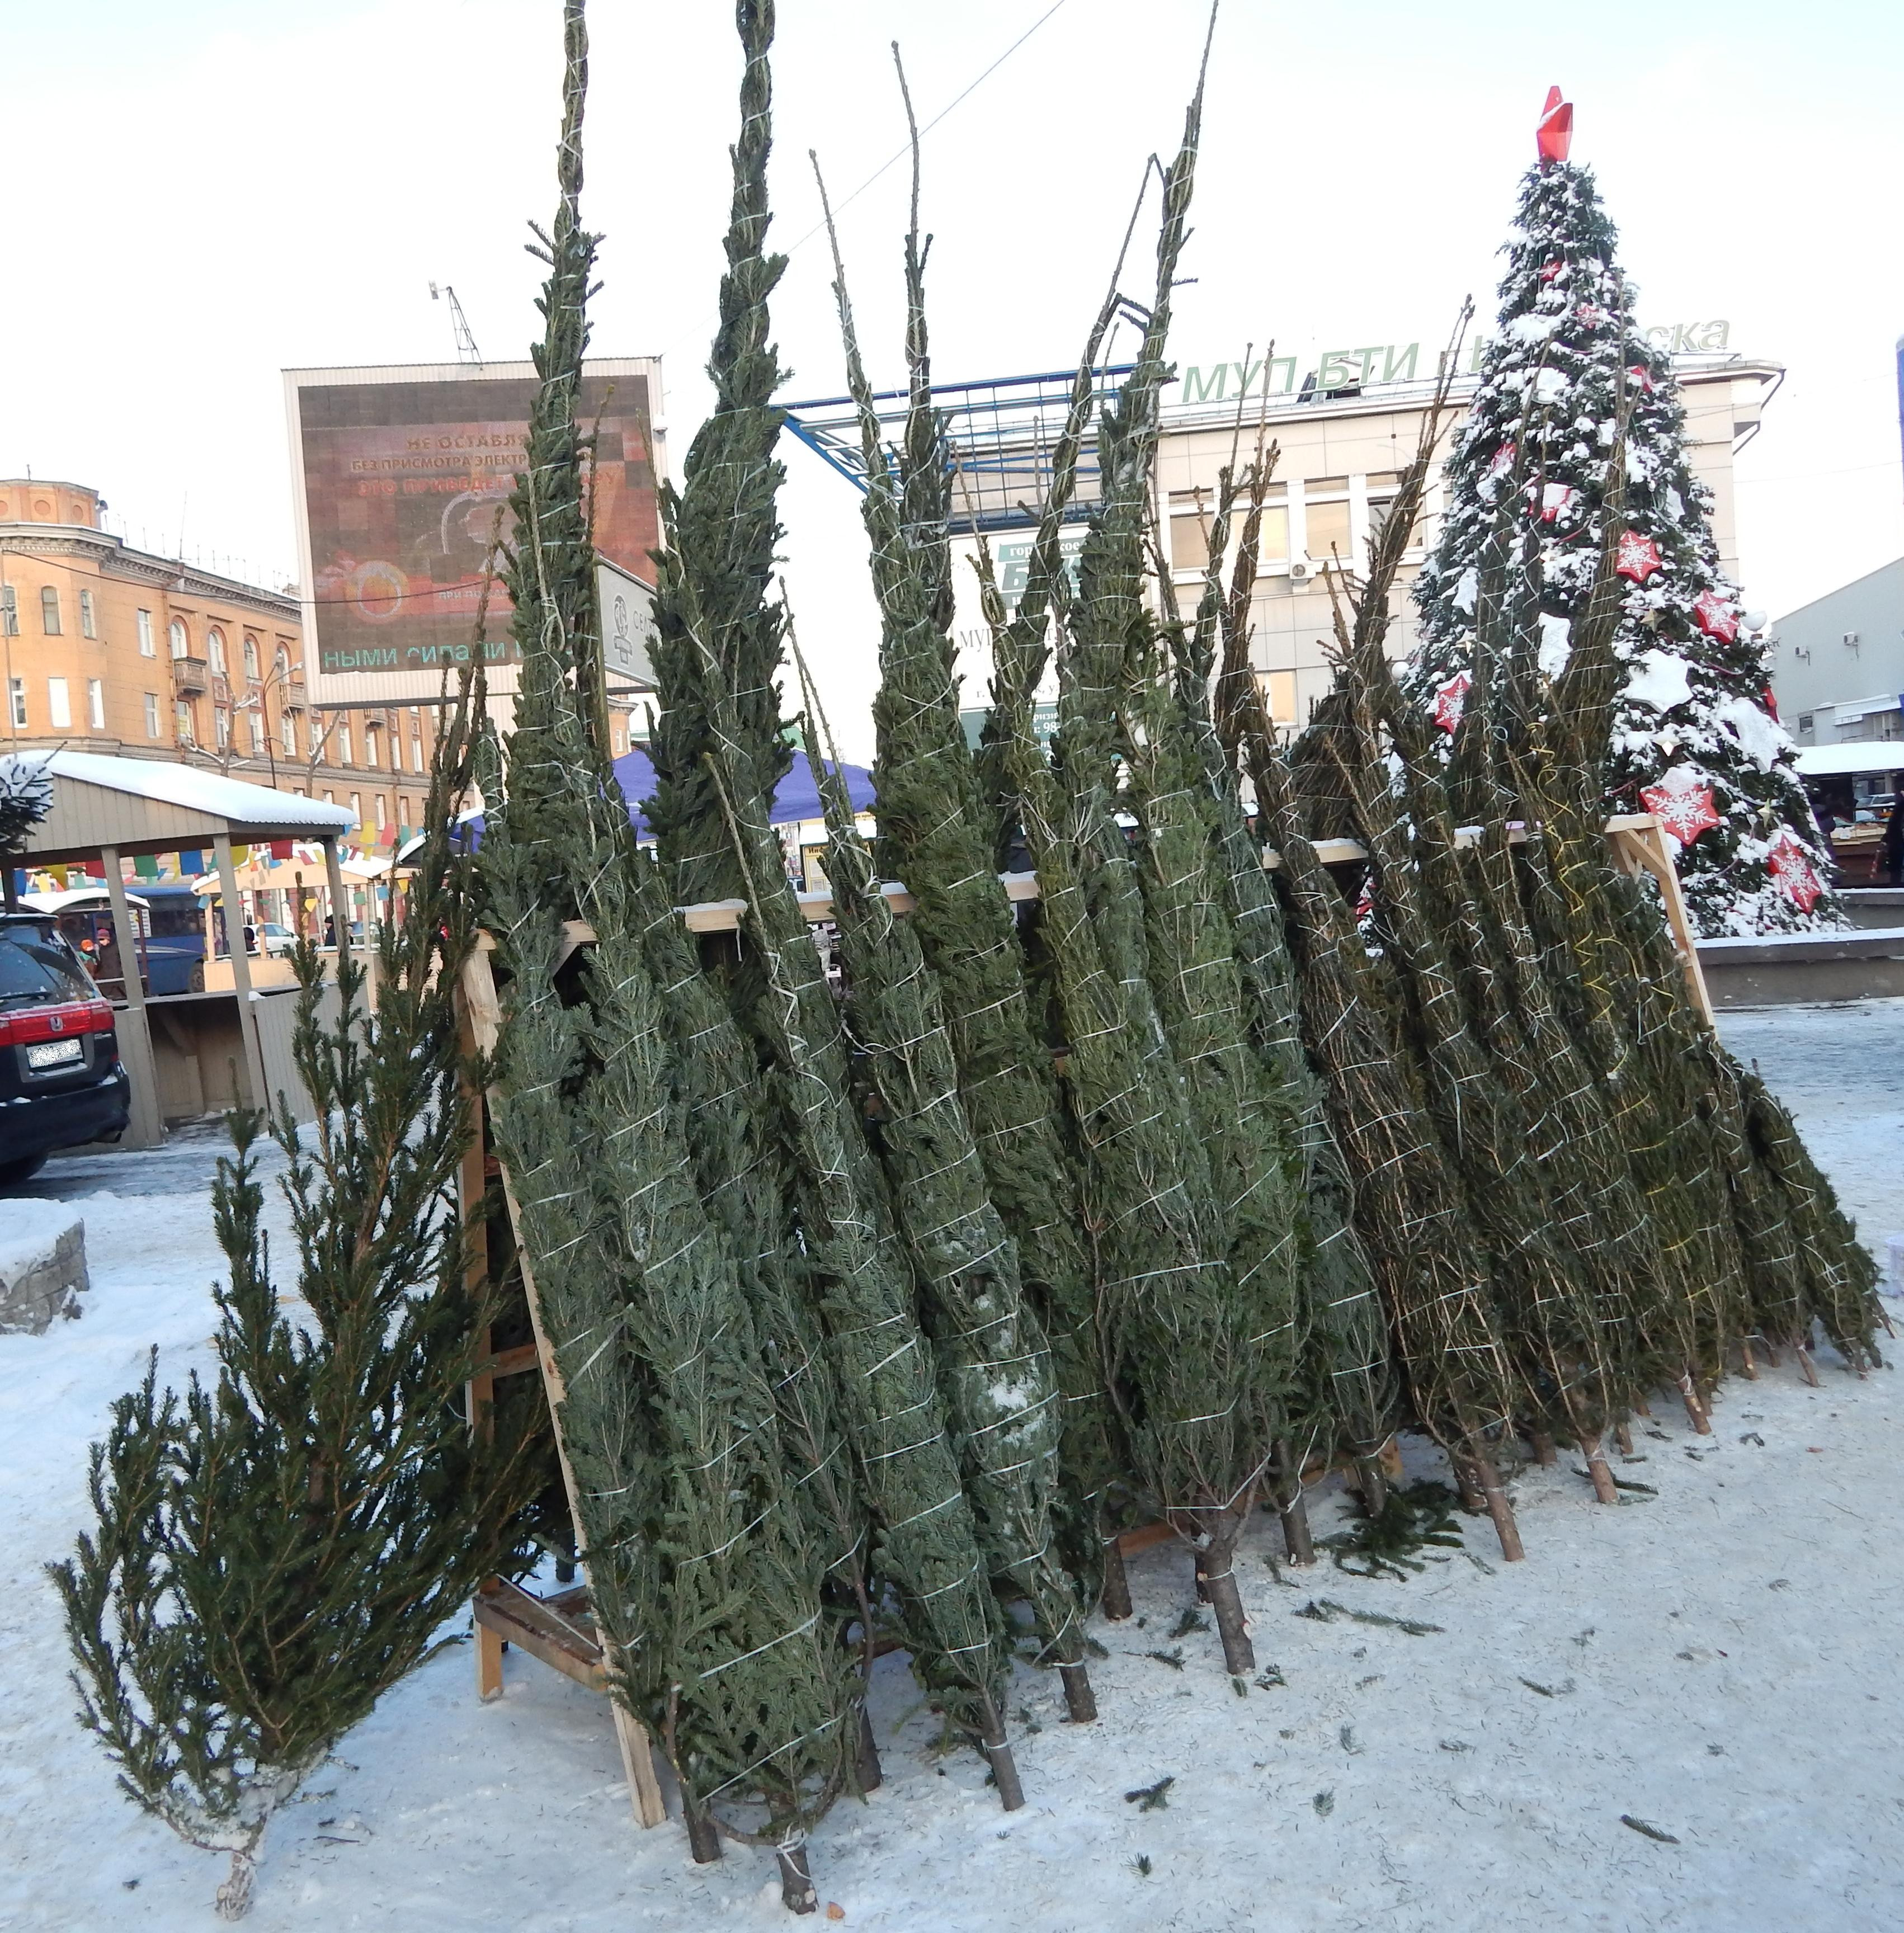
(1714, 1662)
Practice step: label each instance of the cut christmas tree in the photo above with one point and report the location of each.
(1694, 736)
(276, 1548)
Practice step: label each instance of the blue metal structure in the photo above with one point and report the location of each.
(1001, 435)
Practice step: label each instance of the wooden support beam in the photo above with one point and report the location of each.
(484, 1010)
(241, 970)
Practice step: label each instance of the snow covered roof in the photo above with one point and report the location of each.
(148, 805)
(1867, 755)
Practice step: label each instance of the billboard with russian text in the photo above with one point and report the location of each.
(400, 475)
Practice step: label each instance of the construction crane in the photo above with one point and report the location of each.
(466, 349)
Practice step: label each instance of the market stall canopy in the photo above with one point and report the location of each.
(146, 805)
(1863, 755)
(794, 797)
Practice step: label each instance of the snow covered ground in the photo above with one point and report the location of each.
(1717, 1662)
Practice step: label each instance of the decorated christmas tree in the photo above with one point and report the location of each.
(1694, 736)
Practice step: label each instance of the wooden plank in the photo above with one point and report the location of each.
(1145, 1537)
(713, 915)
(485, 1009)
(1639, 844)
(516, 1362)
(480, 1393)
(511, 1615)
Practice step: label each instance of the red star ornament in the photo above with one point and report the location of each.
(1451, 700)
(1503, 460)
(1555, 135)
(1791, 866)
(1638, 557)
(1715, 617)
(1556, 501)
(1549, 270)
(1686, 810)
(1642, 378)
(1772, 706)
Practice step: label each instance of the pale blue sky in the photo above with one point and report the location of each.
(205, 192)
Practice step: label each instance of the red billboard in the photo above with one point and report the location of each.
(399, 476)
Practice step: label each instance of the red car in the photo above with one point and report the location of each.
(61, 1081)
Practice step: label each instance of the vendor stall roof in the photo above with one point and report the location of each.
(1864, 755)
(150, 805)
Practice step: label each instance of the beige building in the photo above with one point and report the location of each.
(105, 648)
(1336, 476)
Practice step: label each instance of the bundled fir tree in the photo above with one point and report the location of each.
(279, 1546)
(1189, 1360)
(1000, 1392)
(719, 754)
(934, 835)
(724, 514)
(709, 1584)
(1347, 1395)
(1694, 735)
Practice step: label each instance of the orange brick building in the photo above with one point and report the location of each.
(105, 648)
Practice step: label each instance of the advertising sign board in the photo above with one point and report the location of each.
(399, 475)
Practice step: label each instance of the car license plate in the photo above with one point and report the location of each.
(52, 1053)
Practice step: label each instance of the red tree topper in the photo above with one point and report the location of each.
(1556, 133)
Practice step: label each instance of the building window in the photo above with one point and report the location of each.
(382, 810)
(146, 648)
(356, 807)
(95, 704)
(254, 721)
(214, 649)
(221, 726)
(1329, 531)
(181, 722)
(151, 714)
(17, 699)
(49, 611)
(87, 628)
(314, 737)
(181, 639)
(251, 657)
(344, 741)
(9, 611)
(330, 798)
(287, 733)
(59, 706)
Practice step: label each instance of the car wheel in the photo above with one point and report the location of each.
(25, 1169)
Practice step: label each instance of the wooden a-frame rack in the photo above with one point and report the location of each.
(559, 1630)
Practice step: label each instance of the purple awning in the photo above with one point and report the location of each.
(794, 797)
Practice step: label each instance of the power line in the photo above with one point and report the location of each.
(972, 88)
(841, 207)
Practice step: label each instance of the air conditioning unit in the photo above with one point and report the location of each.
(1851, 638)
(1301, 571)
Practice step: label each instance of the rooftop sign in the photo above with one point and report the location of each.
(1337, 369)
